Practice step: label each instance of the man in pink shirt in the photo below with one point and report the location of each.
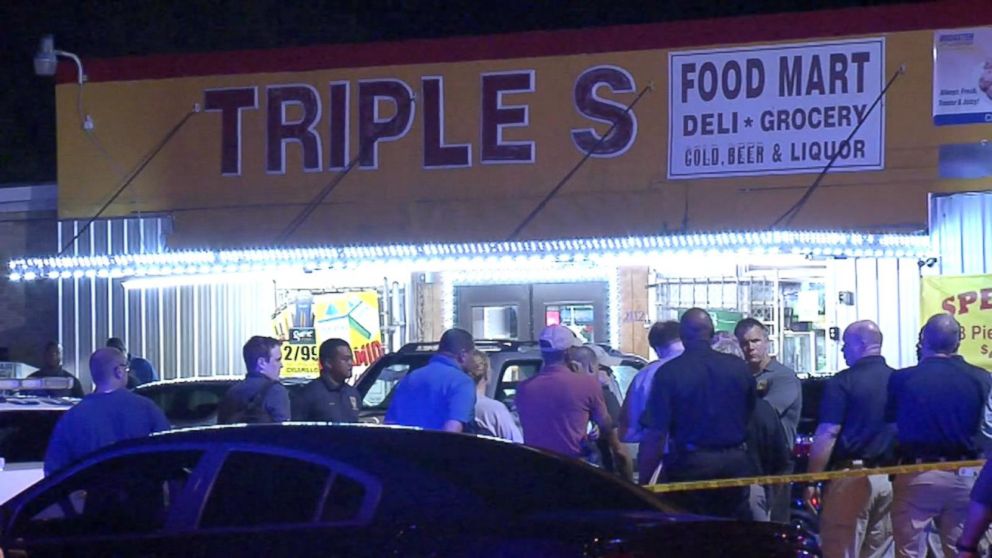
(556, 405)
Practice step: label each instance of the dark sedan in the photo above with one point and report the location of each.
(359, 490)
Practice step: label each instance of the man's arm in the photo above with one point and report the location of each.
(277, 403)
(823, 446)
(783, 391)
(453, 426)
(57, 454)
(461, 405)
(651, 451)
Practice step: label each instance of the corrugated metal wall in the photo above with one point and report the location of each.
(961, 232)
(192, 330)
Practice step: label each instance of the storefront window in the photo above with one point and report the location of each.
(580, 318)
(495, 322)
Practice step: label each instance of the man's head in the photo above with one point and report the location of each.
(264, 356)
(108, 368)
(51, 356)
(753, 337)
(725, 342)
(696, 325)
(554, 341)
(861, 339)
(941, 336)
(665, 339)
(582, 359)
(336, 359)
(118, 343)
(477, 368)
(457, 344)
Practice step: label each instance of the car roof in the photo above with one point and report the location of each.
(35, 403)
(227, 379)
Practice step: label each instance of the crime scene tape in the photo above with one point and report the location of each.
(816, 477)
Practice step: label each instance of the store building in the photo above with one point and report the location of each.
(385, 191)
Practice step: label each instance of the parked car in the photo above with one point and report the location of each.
(26, 425)
(357, 490)
(193, 401)
(511, 362)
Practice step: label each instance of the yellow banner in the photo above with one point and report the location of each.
(969, 299)
(308, 319)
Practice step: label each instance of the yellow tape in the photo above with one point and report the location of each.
(813, 477)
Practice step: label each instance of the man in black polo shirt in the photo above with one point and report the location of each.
(329, 398)
(937, 408)
(852, 434)
(702, 400)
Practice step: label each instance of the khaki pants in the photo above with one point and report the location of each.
(854, 522)
(918, 498)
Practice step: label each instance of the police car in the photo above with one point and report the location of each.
(26, 424)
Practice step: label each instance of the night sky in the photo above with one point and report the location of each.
(107, 28)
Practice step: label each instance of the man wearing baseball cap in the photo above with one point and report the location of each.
(556, 405)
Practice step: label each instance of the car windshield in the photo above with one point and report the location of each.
(24, 434)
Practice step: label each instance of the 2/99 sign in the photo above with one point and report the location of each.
(299, 352)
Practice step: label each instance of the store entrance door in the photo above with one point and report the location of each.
(519, 312)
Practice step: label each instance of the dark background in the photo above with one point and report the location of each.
(107, 28)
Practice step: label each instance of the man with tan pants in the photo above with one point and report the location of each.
(937, 408)
(854, 522)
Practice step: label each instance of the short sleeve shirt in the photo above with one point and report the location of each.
(555, 408)
(937, 407)
(324, 400)
(702, 398)
(855, 400)
(432, 395)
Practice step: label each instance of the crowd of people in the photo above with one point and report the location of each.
(714, 405)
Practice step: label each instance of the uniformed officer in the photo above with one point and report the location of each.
(780, 387)
(702, 400)
(329, 398)
(853, 433)
(937, 408)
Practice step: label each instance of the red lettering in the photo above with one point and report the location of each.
(372, 127)
(230, 103)
(590, 104)
(437, 155)
(966, 299)
(281, 131)
(338, 139)
(496, 116)
(948, 305)
(986, 299)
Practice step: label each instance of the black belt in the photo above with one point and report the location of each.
(691, 448)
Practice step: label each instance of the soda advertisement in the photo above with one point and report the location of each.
(305, 318)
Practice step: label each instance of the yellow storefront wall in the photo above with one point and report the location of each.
(401, 201)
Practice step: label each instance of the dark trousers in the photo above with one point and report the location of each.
(707, 465)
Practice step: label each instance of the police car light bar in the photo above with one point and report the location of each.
(26, 384)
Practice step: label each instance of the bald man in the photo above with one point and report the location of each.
(110, 414)
(937, 409)
(701, 401)
(853, 434)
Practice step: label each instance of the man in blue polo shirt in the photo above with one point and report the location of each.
(937, 409)
(439, 396)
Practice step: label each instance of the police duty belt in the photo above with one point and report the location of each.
(964, 468)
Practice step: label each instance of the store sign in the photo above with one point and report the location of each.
(962, 76)
(779, 109)
(306, 319)
(969, 299)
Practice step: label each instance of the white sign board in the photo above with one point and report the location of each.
(962, 76)
(781, 109)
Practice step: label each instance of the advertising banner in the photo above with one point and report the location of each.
(962, 76)
(306, 319)
(969, 299)
(779, 109)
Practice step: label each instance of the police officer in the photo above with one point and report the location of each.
(852, 433)
(702, 400)
(937, 408)
(329, 398)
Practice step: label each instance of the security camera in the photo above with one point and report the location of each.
(46, 59)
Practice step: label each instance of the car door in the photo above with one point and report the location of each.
(120, 505)
(269, 501)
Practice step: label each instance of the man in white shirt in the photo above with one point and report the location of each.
(664, 339)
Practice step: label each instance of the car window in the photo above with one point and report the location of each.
(384, 385)
(624, 374)
(130, 494)
(255, 489)
(188, 403)
(512, 374)
(379, 380)
(24, 434)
